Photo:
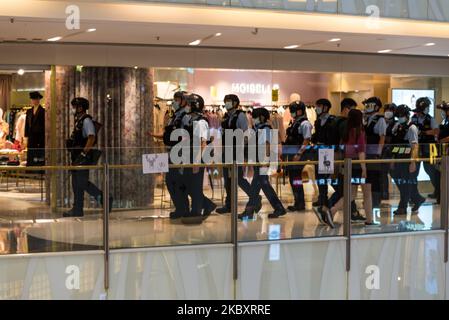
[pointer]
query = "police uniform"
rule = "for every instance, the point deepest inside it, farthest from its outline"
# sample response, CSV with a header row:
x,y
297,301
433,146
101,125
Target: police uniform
x,y
444,133
173,177
404,136
299,130
84,127
233,120
386,154
375,128
197,128
324,136
426,123
261,180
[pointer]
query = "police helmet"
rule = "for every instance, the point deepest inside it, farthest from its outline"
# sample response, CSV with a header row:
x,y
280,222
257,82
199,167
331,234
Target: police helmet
x,y
261,112
234,98
402,111
422,104
297,105
80,102
374,102
196,102
180,94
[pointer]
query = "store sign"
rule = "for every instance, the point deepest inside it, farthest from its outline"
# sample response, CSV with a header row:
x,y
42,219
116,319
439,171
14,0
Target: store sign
x,y
325,161
250,88
155,163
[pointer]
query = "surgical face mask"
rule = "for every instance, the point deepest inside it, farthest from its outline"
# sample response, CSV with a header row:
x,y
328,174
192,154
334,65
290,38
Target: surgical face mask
x,y
443,114
293,114
319,110
74,112
369,109
389,115
229,105
402,120
188,109
257,121
175,105
426,110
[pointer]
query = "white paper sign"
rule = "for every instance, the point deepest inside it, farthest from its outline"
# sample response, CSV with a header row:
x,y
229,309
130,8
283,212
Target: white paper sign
x,y
155,163
325,161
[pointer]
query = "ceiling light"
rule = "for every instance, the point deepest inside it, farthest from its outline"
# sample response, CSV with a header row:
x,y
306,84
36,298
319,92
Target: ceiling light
x,y
54,39
195,43
430,44
91,30
292,46
384,51
335,40
136,67
218,34
20,72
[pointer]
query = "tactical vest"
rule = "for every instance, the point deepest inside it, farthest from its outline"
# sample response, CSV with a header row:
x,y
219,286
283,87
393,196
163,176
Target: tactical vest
x,y
262,127
372,138
195,116
174,123
230,123
401,148
444,133
294,138
423,139
324,134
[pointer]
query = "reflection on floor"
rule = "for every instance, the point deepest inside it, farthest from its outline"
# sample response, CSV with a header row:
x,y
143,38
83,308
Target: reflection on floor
x,y
28,225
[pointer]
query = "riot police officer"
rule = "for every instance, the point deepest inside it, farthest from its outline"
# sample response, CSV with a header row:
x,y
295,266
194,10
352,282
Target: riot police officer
x,y
443,136
233,120
324,136
390,119
197,127
405,146
261,179
428,130
376,130
299,134
173,177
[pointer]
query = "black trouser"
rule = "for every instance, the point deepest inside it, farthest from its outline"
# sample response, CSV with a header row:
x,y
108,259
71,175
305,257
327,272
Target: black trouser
x,y
323,189
193,182
374,173
339,193
242,182
263,182
296,183
433,173
177,192
81,184
407,184
384,182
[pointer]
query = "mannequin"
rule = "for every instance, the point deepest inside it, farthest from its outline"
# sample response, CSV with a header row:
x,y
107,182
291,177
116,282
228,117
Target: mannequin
x,y
35,131
4,130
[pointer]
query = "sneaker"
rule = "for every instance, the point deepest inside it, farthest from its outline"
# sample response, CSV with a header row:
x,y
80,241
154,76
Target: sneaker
x,y
277,213
418,205
319,214
247,214
357,217
223,210
72,214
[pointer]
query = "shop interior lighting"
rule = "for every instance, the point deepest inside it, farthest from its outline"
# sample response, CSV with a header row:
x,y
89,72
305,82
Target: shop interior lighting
x,y
430,44
195,43
54,39
294,46
91,30
335,40
384,51
20,72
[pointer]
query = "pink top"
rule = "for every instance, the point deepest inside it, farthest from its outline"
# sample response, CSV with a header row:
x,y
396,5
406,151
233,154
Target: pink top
x,y
355,146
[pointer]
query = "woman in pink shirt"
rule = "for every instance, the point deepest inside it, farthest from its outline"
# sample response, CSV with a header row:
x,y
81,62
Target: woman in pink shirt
x,y
354,140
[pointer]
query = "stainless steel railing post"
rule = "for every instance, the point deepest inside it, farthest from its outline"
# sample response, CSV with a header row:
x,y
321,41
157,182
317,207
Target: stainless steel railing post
x,y
106,205
444,204
347,195
234,213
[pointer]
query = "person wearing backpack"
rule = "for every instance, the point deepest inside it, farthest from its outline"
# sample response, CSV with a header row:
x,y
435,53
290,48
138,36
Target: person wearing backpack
x,y
81,147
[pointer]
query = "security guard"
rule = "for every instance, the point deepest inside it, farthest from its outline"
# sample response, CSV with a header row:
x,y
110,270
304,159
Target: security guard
x,y
233,120
390,119
428,130
173,177
324,136
299,134
81,147
376,131
192,179
261,179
